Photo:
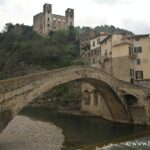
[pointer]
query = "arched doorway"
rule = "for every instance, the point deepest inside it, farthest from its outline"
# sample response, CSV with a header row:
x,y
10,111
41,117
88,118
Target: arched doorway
x,y
129,100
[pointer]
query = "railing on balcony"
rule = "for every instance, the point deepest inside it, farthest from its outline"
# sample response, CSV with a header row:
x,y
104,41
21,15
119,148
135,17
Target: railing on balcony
x,y
133,55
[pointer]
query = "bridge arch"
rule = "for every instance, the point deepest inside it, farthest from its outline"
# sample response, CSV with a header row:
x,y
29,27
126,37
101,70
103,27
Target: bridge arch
x,y
18,92
129,100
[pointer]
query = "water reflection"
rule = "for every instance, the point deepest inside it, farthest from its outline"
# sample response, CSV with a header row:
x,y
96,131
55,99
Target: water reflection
x,y
81,131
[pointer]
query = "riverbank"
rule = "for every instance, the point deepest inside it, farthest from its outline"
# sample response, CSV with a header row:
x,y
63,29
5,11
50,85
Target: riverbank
x,y
23,133
43,129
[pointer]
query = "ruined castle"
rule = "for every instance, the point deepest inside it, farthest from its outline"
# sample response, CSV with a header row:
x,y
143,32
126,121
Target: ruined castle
x,y
45,22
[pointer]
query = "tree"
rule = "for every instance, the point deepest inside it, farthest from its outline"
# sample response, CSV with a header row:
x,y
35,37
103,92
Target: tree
x,y
8,27
72,33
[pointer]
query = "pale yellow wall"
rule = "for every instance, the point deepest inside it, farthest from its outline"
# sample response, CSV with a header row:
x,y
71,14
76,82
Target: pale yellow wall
x,y
144,42
121,68
120,50
118,62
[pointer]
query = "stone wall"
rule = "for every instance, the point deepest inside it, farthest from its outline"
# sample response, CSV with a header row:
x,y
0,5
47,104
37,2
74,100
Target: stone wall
x,y
144,83
96,106
45,22
138,115
38,22
58,22
120,68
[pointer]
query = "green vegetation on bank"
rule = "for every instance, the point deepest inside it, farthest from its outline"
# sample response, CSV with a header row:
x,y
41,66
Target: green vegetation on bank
x,y
23,50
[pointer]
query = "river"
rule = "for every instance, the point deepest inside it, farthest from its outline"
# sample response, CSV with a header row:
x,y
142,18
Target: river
x,y
42,129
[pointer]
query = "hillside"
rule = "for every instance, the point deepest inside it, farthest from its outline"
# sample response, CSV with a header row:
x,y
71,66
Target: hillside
x,y
104,28
22,51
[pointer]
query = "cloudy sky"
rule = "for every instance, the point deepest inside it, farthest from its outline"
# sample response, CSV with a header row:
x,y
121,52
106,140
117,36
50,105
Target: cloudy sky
x,y
133,15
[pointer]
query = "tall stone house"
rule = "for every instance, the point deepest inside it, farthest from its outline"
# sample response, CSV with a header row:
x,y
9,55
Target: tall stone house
x,y
45,21
126,57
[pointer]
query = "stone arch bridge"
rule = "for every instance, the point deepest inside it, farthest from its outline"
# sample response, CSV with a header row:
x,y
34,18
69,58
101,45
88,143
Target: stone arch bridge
x,y
16,93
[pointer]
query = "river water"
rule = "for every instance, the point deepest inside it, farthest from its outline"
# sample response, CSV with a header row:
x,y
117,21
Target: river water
x,y
42,129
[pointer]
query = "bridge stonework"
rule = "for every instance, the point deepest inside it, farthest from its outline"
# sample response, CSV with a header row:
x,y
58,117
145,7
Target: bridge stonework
x,y
16,93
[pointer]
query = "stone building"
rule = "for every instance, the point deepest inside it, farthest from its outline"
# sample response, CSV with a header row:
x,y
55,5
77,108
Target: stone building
x,y
125,57
45,21
85,41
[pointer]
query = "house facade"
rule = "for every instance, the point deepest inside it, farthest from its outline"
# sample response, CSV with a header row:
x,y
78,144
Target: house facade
x,y
125,57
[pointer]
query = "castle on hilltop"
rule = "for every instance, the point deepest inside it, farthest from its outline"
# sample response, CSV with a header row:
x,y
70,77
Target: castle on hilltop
x,y
45,22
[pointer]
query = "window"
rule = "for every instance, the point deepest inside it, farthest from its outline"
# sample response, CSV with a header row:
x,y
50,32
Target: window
x,y
47,25
93,43
138,49
98,41
131,72
48,19
138,61
139,75
48,11
130,51
99,61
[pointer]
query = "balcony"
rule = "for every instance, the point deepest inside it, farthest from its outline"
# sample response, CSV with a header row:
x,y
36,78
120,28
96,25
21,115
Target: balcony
x,y
133,55
105,57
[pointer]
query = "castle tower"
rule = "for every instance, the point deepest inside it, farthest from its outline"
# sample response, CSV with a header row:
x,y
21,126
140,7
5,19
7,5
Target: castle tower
x,y
47,8
69,14
47,12
46,21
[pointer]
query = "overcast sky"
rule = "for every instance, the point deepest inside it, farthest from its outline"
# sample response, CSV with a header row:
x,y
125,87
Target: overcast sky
x,y
133,15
